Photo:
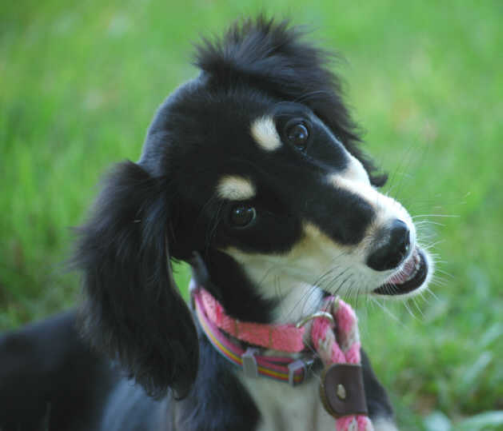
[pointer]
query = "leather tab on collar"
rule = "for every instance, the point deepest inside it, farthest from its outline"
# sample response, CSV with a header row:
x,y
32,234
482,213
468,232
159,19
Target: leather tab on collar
x,y
342,391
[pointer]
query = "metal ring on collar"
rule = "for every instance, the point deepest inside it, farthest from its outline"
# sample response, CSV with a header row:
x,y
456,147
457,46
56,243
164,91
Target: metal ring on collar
x,y
324,314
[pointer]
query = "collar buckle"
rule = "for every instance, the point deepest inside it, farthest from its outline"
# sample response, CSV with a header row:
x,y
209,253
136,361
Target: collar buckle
x,y
250,367
293,369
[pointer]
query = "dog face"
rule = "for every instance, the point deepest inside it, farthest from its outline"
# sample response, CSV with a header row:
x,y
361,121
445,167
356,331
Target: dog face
x,y
255,164
280,192
276,188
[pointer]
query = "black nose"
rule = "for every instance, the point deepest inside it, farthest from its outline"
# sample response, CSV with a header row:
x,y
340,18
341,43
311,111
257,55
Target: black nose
x,y
391,254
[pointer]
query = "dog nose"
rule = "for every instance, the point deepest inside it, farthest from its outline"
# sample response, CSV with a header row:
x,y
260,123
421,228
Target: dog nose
x,y
391,254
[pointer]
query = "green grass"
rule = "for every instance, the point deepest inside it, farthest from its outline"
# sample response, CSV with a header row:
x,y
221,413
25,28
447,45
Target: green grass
x,y
78,87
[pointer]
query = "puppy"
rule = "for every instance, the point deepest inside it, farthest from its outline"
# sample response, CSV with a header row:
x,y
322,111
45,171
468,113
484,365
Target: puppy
x,y
251,172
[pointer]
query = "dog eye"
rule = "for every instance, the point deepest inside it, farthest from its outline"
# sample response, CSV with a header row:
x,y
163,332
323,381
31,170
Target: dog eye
x,y
242,216
298,135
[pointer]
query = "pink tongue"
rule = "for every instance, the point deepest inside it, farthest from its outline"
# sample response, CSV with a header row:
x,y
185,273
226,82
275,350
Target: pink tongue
x,y
405,273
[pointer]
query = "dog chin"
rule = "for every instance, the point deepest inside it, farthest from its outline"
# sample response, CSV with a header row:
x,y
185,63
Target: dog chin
x,y
410,279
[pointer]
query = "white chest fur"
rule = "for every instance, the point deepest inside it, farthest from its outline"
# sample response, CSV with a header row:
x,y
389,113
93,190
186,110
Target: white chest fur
x,y
285,408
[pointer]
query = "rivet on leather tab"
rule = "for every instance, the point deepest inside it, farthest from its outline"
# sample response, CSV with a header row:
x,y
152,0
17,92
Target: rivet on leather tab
x,y
342,391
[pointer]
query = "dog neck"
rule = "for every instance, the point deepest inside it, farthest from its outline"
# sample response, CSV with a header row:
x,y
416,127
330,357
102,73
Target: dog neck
x,y
257,292
295,299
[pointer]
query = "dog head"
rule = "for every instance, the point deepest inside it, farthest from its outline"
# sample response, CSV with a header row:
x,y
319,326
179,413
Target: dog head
x,y
254,164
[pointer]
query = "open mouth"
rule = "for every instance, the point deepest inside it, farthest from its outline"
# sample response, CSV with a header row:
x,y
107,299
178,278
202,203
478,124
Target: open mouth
x,y
411,276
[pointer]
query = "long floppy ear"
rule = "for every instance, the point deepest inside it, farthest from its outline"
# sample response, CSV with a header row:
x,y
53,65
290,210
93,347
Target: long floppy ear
x,y
132,310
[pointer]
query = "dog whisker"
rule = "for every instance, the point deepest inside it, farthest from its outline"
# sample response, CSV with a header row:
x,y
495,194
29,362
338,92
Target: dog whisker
x,y
447,274
436,215
416,304
439,281
403,168
409,310
428,223
387,311
429,246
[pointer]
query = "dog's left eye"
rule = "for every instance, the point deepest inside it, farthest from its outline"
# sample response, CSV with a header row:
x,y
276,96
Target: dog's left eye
x,y
242,216
298,135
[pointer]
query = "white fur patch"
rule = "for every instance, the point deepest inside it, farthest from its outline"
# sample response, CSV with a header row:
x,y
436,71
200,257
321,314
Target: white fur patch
x,y
355,180
235,188
296,277
285,408
265,134
384,424
317,261
355,171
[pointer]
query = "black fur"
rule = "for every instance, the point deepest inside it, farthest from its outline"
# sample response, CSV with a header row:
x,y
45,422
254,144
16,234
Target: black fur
x,y
132,309
164,207
50,380
274,57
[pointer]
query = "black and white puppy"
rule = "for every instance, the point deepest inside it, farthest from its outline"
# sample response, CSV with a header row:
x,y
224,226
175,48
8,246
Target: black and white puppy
x,y
255,165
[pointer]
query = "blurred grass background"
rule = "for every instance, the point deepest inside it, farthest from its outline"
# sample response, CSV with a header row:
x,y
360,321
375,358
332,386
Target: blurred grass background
x,y
80,82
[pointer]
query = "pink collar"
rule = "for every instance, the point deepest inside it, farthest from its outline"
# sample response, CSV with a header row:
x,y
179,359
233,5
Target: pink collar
x,y
333,338
286,338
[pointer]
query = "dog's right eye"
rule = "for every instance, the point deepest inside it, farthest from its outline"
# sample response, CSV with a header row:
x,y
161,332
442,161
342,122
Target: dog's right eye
x,y
242,216
298,135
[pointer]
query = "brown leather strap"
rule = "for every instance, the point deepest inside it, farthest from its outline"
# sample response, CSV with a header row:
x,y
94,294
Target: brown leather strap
x,y
342,391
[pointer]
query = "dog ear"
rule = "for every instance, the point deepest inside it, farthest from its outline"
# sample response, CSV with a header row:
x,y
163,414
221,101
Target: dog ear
x,y
132,310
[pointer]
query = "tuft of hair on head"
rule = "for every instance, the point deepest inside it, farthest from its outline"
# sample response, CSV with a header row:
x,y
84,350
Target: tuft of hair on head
x,y
274,56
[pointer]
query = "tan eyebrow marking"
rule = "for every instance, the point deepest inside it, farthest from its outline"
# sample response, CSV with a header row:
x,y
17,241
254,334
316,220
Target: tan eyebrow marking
x,y
235,188
265,134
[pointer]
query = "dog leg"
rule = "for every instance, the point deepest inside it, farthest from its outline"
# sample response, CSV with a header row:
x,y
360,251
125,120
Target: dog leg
x,y
380,409
49,379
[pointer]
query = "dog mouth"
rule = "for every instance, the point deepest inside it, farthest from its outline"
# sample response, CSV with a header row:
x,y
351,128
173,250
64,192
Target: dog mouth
x,y
408,278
